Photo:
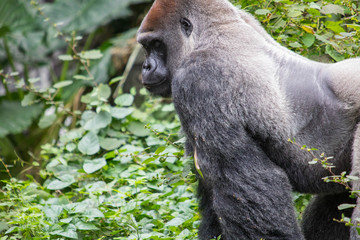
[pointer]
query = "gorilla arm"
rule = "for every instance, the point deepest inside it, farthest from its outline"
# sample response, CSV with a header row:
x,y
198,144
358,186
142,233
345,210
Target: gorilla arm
x,y
245,189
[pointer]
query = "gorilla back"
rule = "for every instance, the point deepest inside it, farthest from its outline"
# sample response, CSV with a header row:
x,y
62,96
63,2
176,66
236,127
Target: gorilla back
x,y
240,96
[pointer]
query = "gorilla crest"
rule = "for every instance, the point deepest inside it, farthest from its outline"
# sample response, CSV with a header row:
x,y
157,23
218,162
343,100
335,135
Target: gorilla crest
x,y
240,96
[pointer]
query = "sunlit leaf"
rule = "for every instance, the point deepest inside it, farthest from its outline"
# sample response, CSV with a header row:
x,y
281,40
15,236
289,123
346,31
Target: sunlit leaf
x,y
89,144
66,57
98,121
47,120
120,113
62,84
138,129
92,54
124,100
91,166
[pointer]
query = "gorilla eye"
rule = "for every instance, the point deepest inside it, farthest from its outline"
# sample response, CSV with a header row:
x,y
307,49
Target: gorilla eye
x,y
186,26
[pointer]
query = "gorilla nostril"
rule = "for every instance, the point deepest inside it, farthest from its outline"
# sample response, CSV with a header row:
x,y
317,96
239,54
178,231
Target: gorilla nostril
x,y
146,66
149,65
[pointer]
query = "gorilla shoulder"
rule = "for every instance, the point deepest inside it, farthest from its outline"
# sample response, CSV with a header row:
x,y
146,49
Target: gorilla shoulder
x,y
344,78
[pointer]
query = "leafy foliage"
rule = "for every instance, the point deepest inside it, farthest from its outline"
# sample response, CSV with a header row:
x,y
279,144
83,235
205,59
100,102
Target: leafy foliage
x,y
312,28
109,177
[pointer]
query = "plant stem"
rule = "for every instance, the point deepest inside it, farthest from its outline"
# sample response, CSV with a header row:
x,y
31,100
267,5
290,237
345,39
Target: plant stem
x,y
65,67
6,167
9,56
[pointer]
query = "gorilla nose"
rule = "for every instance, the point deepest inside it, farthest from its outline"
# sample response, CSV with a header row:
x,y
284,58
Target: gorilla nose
x,y
149,66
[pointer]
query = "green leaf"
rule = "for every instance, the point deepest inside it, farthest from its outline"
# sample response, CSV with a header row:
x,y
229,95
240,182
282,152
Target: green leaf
x,y
29,99
3,226
70,147
149,160
322,38
93,213
85,226
92,54
53,211
332,9
314,5
138,129
86,15
117,79
69,232
14,118
160,150
334,54
262,12
308,39
353,26
47,120
91,166
124,100
104,91
294,13
335,26
120,113
34,80
15,15
62,84
346,206
295,45
175,222
66,58
98,121
72,135
110,143
89,144
61,183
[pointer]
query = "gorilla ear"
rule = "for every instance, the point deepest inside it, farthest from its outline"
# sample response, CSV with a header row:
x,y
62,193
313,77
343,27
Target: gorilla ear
x,y
186,26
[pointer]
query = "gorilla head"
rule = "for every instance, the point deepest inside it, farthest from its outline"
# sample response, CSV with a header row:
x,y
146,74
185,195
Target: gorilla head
x,y
170,29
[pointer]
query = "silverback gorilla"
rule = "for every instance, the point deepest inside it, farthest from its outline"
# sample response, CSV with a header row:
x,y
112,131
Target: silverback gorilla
x,y
240,96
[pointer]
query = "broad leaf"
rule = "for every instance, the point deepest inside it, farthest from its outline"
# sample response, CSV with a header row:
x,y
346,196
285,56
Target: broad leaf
x,y
138,129
63,84
120,113
14,118
346,206
85,226
91,166
47,120
89,144
332,9
61,183
124,100
87,15
175,222
110,143
15,16
98,121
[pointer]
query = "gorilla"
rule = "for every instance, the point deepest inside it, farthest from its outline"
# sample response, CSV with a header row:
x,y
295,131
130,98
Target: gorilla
x,y
240,96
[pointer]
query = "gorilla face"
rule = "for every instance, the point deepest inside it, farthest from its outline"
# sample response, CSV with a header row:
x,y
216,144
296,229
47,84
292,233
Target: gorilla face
x,y
166,36
155,74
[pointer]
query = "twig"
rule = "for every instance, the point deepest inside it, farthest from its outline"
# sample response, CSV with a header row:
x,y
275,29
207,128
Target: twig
x,y
6,167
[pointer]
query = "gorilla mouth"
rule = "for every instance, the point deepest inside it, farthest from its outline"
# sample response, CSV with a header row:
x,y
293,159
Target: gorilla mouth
x,y
158,83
